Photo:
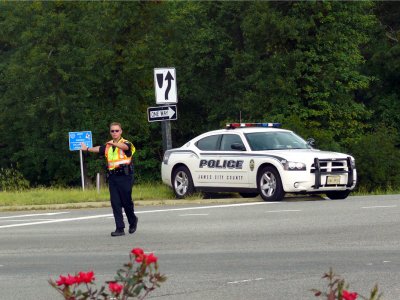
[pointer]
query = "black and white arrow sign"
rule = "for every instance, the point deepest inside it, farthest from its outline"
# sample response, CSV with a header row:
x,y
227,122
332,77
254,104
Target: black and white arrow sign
x,y
162,113
165,85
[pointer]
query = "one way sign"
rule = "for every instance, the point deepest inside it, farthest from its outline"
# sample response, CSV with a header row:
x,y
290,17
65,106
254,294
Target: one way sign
x,y
161,113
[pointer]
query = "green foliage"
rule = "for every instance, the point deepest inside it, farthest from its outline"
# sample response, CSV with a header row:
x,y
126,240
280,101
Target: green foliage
x,y
12,180
327,70
74,66
337,288
69,196
378,159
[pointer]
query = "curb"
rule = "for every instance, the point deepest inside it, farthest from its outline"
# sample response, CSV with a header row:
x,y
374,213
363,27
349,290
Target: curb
x,y
169,202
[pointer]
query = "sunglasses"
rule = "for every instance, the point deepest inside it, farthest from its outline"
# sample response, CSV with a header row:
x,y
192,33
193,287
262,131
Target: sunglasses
x,y
114,131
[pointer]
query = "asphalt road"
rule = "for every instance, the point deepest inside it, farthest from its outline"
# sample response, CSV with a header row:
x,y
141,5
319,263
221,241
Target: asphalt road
x,y
229,251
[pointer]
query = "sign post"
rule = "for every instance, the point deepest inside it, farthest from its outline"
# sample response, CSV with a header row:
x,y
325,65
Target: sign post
x,y
166,94
75,140
82,175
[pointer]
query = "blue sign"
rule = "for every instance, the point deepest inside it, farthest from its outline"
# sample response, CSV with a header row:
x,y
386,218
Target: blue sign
x,y
76,138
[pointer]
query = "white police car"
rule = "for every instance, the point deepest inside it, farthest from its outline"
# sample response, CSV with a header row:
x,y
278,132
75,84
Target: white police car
x,y
257,158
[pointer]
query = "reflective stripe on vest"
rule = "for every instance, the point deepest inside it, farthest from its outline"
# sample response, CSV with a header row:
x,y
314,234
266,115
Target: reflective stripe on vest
x,y
116,157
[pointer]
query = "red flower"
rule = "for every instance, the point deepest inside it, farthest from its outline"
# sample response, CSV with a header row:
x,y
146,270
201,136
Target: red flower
x,y
349,296
140,259
69,280
61,280
85,277
137,252
115,288
149,259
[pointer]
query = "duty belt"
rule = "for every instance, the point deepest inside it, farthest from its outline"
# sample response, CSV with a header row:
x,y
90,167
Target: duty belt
x,y
121,170
117,171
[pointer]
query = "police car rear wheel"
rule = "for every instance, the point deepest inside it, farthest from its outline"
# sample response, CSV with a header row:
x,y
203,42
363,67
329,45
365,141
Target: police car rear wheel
x,y
338,195
270,184
182,182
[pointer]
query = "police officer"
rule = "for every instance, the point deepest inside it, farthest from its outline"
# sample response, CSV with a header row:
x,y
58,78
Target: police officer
x,y
118,153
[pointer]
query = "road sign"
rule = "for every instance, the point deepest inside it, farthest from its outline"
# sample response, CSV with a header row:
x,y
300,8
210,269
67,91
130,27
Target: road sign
x,y
165,85
76,138
162,113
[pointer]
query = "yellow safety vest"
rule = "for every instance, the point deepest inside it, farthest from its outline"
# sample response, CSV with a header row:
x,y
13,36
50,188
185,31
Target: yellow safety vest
x,y
116,157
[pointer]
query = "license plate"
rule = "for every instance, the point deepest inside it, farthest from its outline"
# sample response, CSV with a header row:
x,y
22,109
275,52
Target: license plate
x,y
332,180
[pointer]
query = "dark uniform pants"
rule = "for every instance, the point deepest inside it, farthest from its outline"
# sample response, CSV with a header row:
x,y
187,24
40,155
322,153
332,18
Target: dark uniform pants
x,y
121,197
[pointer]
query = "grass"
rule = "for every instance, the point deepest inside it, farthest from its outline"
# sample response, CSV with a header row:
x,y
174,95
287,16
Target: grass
x,y
362,191
143,192
46,196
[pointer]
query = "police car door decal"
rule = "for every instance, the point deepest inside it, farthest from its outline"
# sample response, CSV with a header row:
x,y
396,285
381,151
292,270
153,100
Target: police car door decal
x,y
227,167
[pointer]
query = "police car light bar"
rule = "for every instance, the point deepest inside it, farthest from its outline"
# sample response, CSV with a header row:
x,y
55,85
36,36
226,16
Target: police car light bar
x,y
242,125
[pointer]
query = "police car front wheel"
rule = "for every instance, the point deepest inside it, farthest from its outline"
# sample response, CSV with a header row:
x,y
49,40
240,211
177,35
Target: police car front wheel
x,y
338,195
182,182
270,184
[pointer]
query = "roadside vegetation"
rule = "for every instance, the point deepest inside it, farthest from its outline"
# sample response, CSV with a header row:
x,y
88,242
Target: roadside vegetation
x,y
36,197
327,70
50,196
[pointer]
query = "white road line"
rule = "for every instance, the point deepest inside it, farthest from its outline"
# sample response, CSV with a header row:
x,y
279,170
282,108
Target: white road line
x,y
186,215
29,220
380,206
139,212
288,210
56,221
205,207
34,215
244,280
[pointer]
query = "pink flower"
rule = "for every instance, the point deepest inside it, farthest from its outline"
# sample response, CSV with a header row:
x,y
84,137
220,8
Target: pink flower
x,y
349,296
149,259
115,288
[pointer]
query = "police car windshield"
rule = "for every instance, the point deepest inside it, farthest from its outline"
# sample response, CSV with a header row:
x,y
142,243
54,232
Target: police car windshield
x,y
260,141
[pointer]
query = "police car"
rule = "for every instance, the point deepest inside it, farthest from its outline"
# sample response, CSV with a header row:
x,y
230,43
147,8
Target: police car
x,y
257,159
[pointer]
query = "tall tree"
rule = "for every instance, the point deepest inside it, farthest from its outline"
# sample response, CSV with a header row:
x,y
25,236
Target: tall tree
x,y
72,66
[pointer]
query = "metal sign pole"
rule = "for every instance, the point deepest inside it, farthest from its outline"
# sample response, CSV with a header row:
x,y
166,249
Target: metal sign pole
x,y
82,175
166,135
98,183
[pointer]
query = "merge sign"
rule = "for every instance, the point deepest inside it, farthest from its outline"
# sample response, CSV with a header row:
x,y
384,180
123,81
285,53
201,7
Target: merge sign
x,y
76,138
165,85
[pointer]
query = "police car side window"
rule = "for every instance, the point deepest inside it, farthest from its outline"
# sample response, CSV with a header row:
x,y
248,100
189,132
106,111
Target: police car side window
x,y
228,140
209,143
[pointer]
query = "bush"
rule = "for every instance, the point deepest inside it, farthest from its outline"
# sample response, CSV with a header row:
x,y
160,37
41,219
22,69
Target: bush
x,y
137,279
12,180
337,289
377,160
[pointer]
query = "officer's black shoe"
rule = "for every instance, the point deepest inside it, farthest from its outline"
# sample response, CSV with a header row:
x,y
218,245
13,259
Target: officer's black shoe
x,y
132,228
118,232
